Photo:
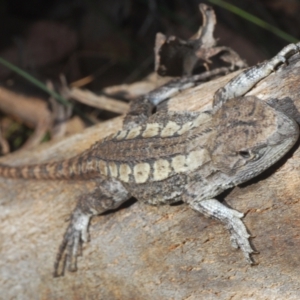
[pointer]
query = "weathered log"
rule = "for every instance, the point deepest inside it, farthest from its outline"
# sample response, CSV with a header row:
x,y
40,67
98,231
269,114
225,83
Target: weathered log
x,y
144,252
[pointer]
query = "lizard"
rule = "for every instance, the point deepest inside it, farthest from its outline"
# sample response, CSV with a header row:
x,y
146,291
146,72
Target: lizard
x,y
167,157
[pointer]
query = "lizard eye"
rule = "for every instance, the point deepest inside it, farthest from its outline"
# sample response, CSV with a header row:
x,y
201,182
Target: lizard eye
x,y
245,154
249,155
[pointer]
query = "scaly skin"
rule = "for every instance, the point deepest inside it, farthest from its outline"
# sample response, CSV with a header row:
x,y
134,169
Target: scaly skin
x,y
172,156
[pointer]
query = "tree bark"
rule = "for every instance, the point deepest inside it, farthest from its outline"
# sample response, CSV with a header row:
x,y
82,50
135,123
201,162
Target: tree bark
x,y
144,252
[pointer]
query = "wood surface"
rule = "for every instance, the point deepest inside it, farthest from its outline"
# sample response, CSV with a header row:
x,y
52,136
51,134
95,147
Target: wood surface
x,y
144,252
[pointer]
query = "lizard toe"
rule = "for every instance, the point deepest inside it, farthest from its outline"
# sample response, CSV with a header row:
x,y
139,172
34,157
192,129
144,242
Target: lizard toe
x,y
71,246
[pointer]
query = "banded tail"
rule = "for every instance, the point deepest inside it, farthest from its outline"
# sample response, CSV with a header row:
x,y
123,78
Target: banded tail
x,y
82,166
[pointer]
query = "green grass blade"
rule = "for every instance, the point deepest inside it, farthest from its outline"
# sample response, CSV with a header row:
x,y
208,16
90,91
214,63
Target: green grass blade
x,y
257,21
34,81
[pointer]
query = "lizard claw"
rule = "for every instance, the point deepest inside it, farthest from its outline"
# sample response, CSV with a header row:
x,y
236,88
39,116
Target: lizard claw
x,y
231,218
239,237
71,246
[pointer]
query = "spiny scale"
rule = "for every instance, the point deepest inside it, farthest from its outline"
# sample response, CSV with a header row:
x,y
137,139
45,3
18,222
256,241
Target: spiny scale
x,y
149,158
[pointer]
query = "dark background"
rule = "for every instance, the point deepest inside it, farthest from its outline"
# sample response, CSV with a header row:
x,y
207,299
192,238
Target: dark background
x,y
111,42
114,39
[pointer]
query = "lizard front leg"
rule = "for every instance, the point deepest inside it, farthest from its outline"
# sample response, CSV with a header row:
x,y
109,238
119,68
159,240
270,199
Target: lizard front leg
x,y
245,81
109,195
231,218
248,137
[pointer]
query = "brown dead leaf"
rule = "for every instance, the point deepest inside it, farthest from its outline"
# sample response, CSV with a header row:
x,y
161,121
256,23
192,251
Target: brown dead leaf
x,y
177,57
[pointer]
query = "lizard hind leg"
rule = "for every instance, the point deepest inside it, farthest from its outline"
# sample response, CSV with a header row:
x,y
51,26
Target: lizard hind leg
x,y
239,236
109,195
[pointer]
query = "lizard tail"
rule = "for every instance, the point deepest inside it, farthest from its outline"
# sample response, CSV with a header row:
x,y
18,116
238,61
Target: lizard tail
x,y
81,166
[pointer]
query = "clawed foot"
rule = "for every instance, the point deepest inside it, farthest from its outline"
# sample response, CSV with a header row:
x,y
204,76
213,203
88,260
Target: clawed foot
x,y
239,236
71,246
231,218
283,55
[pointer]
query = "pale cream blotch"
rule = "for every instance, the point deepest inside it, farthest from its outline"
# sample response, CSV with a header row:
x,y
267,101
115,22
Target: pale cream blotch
x,y
50,168
196,159
102,166
201,119
179,163
115,135
36,171
151,130
83,167
11,172
94,164
124,172
161,169
141,172
170,129
134,132
113,169
24,171
185,127
122,134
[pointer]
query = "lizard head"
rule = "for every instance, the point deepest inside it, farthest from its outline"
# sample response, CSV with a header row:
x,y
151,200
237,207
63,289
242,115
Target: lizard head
x,y
250,136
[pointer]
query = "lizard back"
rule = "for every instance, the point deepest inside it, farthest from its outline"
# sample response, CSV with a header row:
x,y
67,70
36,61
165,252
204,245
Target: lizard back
x,y
149,152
